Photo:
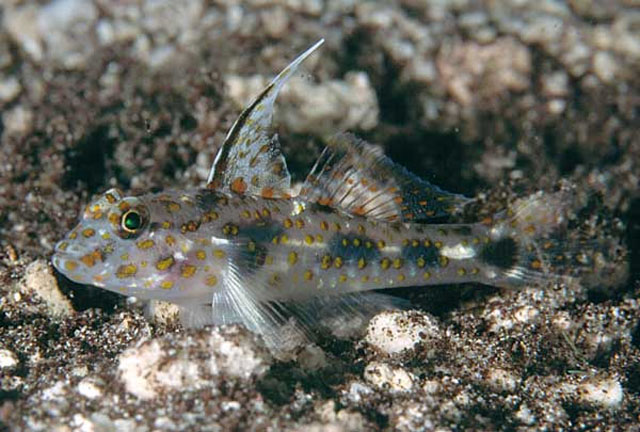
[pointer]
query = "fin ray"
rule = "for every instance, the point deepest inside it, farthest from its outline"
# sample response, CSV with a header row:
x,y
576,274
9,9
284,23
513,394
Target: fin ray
x,y
250,160
355,177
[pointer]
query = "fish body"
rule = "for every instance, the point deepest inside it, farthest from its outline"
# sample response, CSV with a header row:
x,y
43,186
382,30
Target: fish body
x,y
360,222
297,248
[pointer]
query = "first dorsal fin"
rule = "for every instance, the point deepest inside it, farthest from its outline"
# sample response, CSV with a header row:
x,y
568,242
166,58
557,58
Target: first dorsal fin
x,y
250,161
355,177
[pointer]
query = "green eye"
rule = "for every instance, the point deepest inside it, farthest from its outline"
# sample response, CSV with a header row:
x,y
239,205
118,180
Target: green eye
x,y
131,221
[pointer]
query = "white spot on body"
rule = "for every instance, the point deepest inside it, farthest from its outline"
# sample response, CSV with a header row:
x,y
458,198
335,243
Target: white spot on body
x,y
458,251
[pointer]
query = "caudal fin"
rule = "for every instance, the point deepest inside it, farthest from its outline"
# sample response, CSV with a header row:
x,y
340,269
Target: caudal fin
x,y
537,242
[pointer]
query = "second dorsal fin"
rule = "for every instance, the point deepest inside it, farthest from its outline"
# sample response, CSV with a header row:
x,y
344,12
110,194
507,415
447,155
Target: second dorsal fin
x,y
355,177
250,161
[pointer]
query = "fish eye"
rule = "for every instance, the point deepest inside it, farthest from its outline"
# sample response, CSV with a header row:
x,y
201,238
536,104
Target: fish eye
x,y
131,221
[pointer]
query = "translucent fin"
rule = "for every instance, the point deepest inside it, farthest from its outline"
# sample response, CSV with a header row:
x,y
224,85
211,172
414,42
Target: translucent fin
x,y
531,243
250,161
355,177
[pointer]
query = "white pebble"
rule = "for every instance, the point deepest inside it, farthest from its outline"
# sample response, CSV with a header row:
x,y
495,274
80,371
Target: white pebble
x,y
89,388
607,393
7,359
385,376
395,332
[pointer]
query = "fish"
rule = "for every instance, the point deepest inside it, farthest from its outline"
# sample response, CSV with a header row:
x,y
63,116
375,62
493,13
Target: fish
x,y
246,249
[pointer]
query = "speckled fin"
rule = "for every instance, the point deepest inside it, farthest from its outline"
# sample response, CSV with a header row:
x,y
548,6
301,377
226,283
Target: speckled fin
x,y
357,178
250,161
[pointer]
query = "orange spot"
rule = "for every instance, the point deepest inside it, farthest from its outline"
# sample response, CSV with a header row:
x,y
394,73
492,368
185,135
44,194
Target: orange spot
x,y
325,201
267,192
360,211
398,199
239,186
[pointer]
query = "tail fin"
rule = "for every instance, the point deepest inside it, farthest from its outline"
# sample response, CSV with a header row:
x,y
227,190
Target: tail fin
x,y
536,242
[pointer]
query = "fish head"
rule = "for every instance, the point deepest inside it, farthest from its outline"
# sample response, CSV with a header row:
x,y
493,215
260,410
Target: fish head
x,y
135,246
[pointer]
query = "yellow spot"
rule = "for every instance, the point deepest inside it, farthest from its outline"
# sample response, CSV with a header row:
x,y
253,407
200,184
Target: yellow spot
x,y
400,277
165,263
345,242
187,270
219,253
110,198
106,236
536,264
461,272
200,254
287,223
166,225
170,240
126,271
319,238
475,240
172,206
362,263
421,262
275,240
385,263
365,278
266,213
166,285
63,246
143,264
361,229
268,260
88,232
357,242
293,258
211,281
325,263
337,262
299,223
308,275
209,216
415,243
124,256
73,235
308,239
438,244
246,214
397,263
337,226
230,229
146,244
90,259
427,243
405,242
251,246
275,279
324,226
70,265
381,244
368,244
426,275
475,270
342,278
284,239
444,261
